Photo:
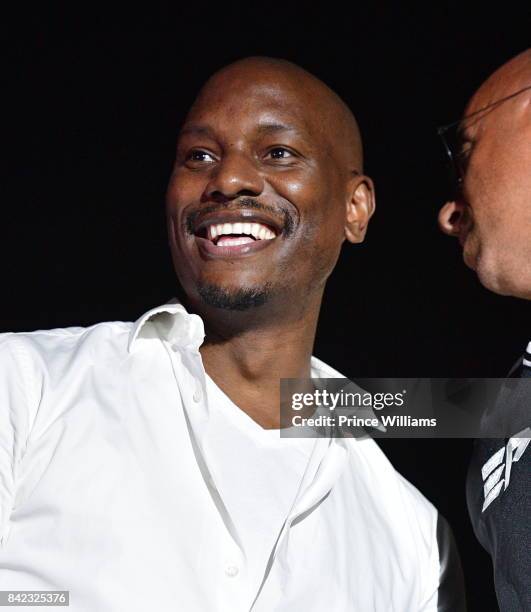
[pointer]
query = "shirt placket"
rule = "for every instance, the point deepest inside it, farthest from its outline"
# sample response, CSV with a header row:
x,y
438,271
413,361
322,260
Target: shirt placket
x,y
326,464
233,588
324,468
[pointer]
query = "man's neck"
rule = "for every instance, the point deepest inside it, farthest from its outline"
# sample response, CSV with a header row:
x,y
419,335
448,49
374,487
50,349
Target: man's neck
x,y
248,365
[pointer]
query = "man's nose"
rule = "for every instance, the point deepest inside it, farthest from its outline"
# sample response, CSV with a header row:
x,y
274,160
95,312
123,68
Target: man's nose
x,y
451,218
235,175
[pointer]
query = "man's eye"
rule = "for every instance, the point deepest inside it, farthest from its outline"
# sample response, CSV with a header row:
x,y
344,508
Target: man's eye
x,y
280,153
199,156
463,155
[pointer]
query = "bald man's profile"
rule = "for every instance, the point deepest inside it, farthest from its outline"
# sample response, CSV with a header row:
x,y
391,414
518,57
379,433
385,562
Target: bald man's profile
x,y
141,463
491,217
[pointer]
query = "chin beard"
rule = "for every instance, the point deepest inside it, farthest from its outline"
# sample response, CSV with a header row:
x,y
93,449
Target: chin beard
x,y
234,299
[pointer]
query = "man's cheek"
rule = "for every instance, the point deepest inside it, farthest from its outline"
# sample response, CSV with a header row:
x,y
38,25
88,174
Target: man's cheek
x,y
471,248
180,239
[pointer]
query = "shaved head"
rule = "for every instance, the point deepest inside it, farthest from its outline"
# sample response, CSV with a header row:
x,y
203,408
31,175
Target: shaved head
x,y
492,214
327,112
509,78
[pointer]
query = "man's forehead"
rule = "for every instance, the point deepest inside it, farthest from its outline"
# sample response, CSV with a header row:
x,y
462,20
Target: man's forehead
x,y
492,110
237,91
266,95
259,124
485,98
513,76
258,107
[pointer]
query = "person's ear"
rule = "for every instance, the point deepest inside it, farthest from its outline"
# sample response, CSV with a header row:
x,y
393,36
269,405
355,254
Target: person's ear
x,y
451,218
360,207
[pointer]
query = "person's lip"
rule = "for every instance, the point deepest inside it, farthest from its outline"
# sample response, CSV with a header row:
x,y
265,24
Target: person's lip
x,y
209,250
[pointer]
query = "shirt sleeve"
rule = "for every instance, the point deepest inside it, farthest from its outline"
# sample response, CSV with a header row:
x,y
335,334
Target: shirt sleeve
x,y
447,593
16,388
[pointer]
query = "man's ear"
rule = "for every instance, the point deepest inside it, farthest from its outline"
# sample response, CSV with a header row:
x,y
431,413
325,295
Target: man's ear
x,y
360,207
451,217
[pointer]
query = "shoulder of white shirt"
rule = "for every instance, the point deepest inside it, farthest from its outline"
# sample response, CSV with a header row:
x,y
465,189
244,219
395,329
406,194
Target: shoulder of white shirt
x,y
39,348
171,320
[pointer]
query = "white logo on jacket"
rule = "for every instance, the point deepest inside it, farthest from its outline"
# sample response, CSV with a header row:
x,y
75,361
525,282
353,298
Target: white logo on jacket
x,y
500,465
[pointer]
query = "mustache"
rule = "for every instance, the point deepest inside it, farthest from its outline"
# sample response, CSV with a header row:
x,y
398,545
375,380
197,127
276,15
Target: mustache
x,y
244,203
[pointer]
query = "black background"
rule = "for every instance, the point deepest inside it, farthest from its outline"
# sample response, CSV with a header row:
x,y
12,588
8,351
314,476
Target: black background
x,y
97,100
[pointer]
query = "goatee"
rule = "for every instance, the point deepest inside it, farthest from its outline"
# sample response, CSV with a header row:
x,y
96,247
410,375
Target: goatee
x,y
242,298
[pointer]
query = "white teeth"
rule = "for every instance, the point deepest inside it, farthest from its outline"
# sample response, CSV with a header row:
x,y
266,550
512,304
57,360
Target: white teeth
x,y
257,230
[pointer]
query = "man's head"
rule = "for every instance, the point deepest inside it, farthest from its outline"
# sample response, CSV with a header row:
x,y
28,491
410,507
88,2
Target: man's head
x,y
266,186
491,216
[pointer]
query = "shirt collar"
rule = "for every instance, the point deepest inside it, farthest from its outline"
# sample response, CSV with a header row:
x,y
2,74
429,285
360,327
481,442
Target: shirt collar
x,y
173,323
170,322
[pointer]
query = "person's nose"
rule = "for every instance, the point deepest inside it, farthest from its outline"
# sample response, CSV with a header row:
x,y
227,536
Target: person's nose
x,y
235,175
452,218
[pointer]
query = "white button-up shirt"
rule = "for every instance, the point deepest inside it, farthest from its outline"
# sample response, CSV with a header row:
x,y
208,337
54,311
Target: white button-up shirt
x,y
115,484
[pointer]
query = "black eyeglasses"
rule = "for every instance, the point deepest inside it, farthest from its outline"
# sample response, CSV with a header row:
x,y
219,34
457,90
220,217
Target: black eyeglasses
x,y
453,142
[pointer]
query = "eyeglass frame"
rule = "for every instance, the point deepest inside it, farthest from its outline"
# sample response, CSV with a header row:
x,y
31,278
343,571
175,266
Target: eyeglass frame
x,y
457,170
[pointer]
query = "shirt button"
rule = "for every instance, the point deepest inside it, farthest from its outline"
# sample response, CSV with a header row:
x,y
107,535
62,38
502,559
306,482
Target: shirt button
x,y
232,571
196,396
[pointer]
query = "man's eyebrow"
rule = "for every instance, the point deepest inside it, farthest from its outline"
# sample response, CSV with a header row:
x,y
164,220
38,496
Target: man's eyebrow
x,y
262,129
197,130
271,128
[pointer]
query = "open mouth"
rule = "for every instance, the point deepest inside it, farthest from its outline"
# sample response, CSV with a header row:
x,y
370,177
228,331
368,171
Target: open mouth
x,y
236,234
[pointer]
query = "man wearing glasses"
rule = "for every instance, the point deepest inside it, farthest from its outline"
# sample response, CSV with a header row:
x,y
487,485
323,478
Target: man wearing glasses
x,y
490,149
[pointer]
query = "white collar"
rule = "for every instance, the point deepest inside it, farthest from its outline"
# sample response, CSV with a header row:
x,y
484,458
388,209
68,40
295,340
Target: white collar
x,y
171,322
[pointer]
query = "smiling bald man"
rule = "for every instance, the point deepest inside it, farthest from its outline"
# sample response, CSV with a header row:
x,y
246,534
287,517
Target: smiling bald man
x,y
491,217
141,463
